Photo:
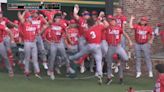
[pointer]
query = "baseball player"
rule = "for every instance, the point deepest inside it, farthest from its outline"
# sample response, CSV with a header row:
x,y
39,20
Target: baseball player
x,y
114,36
121,21
4,21
93,35
15,32
3,51
55,32
72,35
143,41
159,87
82,22
29,33
39,21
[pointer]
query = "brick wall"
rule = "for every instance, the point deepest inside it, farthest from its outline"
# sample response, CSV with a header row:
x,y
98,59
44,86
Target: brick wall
x,y
154,9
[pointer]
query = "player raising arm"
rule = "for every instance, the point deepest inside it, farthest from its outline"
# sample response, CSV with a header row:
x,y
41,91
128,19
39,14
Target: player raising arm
x,y
29,33
93,47
143,41
3,52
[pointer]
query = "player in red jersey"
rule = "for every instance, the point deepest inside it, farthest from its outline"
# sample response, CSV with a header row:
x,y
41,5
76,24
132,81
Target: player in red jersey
x,y
17,48
143,41
72,36
114,36
121,21
4,21
16,32
82,22
3,52
29,33
93,35
55,32
159,85
39,21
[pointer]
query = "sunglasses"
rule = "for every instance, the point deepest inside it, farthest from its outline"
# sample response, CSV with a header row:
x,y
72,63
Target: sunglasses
x,y
85,14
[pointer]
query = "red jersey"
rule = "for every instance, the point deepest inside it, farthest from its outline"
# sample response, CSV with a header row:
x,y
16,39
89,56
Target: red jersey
x,y
47,34
103,35
55,33
64,23
29,32
73,34
39,22
4,21
94,34
159,86
82,25
113,35
142,33
15,32
120,20
2,30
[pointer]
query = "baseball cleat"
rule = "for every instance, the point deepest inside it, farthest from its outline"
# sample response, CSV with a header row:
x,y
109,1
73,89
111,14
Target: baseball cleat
x,y
57,70
38,76
151,74
71,70
52,76
45,66
109,81
99,80
82,69
11,74
138,75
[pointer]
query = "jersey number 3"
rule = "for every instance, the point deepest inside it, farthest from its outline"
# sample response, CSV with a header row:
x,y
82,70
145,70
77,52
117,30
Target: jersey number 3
x,y
93,34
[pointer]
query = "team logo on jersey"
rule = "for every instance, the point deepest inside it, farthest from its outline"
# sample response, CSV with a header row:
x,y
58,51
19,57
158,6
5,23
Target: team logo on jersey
x,y
116,32
56,28
73,34
31,28
142,32
118,21
36,22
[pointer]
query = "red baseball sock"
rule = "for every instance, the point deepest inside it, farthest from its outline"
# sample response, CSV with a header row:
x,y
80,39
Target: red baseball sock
x,y
10,56
82,59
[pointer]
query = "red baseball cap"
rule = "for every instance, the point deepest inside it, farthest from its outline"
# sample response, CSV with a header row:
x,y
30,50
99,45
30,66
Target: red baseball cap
x,y
110,17
72,21
16,22
115,56
144,18
27,15
158,24
94,13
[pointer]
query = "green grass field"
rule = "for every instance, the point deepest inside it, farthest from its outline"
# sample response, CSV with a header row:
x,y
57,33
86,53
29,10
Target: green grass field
x,y
63,84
